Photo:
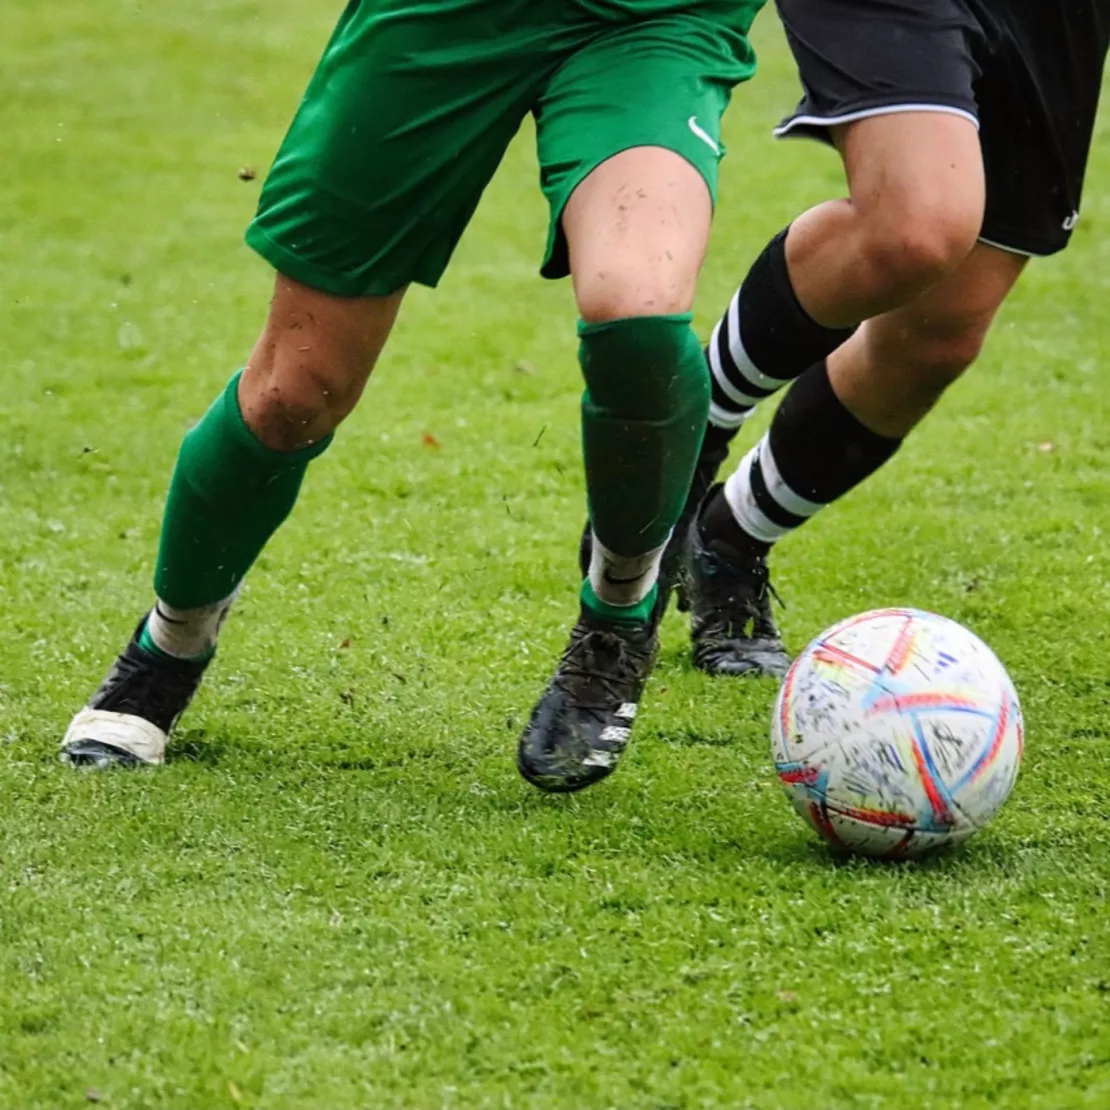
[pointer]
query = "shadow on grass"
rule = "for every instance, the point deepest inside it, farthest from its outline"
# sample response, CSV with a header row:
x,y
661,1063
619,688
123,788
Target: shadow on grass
x,y
199,746
708,828
951,863
696,738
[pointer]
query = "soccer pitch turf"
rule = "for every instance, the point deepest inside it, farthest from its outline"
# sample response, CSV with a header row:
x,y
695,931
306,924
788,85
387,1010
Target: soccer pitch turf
x,y
339,895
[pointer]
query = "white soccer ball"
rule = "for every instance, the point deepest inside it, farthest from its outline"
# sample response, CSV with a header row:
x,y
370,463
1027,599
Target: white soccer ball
x,y
897,732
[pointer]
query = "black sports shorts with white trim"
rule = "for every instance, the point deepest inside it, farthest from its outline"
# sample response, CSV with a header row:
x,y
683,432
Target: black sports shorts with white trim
x,y
1029,71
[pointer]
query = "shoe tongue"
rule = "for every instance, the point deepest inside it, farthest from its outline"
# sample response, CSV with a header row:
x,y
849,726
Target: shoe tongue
x,y
749,560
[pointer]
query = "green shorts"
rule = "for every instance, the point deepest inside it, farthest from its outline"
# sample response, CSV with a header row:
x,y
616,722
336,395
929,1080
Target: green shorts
x,y
414,102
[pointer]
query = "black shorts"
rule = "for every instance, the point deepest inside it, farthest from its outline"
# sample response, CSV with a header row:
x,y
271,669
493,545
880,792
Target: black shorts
x,y
1028,71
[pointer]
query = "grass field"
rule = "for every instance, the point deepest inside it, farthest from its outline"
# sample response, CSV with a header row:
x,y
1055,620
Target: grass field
x,y
338,895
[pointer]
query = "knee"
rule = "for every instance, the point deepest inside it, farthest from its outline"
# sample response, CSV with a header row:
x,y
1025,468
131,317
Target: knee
x,y
911,247
311,363
291,399
614,295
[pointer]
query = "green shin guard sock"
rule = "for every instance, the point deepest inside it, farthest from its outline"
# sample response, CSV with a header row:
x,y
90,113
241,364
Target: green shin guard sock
x,y
644,414
640,613
228,495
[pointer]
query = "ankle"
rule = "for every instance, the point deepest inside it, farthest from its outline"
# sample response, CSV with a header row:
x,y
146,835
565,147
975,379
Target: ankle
x,y
717,442
721,534
183,635
640,613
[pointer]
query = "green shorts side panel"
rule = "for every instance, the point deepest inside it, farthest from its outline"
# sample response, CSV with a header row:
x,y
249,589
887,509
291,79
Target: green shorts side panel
x,y
403,124
664,82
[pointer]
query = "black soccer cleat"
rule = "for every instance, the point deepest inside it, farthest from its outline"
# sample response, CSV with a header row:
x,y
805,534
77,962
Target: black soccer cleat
x,y
732,627
128,720
581,725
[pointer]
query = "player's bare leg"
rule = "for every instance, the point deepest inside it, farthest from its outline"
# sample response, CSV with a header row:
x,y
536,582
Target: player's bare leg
x,y
402,127
311,363
236,480
637,229
915,206
914,210
897,366
837,425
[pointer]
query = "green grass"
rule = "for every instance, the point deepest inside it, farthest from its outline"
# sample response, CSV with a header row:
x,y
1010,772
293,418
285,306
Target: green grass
x,y
338,894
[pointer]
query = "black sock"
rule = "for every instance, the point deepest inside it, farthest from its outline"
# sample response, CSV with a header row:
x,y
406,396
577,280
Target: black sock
x,y
717,441
764,341
815,452
721,534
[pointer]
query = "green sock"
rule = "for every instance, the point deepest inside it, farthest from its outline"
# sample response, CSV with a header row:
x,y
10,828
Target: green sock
x,y
643,418
228,495
640,613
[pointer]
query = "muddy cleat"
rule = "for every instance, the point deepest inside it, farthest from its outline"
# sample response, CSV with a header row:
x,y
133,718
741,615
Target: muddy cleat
x,y
731,625
129,719
580,727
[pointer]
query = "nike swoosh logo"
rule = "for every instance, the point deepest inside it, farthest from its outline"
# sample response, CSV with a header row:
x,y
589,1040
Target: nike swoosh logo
x,y
621,581
704,135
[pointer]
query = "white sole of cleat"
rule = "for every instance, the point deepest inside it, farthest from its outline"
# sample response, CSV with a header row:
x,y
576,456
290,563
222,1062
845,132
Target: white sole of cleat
x,y
145,742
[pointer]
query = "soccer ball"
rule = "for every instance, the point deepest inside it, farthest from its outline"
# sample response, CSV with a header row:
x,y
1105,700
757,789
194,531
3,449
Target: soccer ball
x,y
896,733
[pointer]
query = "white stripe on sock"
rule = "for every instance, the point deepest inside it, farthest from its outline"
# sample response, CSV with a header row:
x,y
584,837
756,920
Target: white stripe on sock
x,y
750,517
730,391
723,418
777,487
740,355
